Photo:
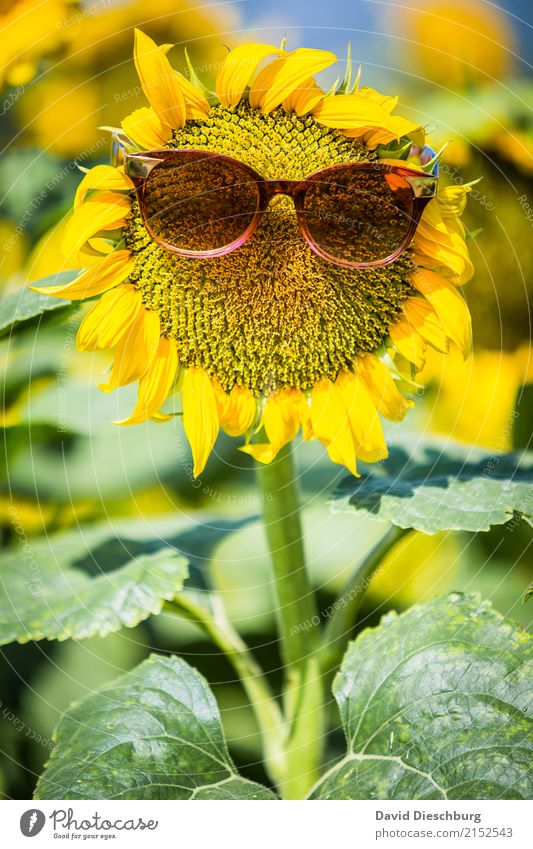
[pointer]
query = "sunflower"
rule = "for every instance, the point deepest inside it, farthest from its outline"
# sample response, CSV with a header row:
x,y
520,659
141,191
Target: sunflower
x,y
270,338
456,44
29,32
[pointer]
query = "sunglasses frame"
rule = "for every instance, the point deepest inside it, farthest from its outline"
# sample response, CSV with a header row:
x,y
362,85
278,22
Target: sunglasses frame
x,y
139,165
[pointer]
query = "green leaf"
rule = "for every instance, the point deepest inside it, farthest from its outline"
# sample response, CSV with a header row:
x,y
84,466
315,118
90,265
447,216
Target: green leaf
x,y
435,704
41,599
441,487
79,668
20,308
97,578
153,734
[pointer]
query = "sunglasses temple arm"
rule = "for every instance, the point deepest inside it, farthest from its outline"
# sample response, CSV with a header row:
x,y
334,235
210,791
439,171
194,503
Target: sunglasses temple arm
x,y
119,154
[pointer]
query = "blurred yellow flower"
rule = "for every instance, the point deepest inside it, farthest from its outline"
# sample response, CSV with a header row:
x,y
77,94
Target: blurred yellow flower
x,y
25,516
456,43
30,30
500,293
93,81
61,114
14,247
419,566
468,48
494,120
516,146
474,400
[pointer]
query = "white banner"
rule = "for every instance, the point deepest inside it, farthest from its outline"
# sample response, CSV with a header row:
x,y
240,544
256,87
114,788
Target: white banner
x,y
264,825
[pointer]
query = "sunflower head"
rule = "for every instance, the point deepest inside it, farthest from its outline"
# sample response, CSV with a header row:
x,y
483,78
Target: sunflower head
x,y
270,338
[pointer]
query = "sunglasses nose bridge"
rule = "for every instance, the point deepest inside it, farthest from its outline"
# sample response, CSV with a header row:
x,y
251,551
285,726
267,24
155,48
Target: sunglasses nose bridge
x,y
282,187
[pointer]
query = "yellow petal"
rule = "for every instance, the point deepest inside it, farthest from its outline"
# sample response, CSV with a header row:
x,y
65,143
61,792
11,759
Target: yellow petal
x,y
408,342
104,275
237,69
370,138
386,101
155,384
101,245
423,318
364,421
445,262
200,416
305,98
351,111
433,217
92,252
196,105
397,127
260,451
238,412
452,199
159,81
162,418
107,322
145,129
404,127
330,424
379,382
304,409
136,350
105,178
412,164
105,211
449,305
439,242
285,75
261,85
284,411
281,418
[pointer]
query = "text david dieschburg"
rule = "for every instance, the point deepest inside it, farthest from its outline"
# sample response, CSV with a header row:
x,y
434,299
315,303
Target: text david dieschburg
x,y
426,815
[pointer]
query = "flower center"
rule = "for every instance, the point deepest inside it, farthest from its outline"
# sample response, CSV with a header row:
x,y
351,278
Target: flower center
x,y
271,313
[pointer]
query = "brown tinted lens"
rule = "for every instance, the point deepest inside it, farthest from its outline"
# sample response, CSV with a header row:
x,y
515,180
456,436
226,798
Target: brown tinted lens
x,y
358,215
199,203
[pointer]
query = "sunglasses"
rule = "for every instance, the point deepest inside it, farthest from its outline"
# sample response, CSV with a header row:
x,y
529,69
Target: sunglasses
x,y
200,204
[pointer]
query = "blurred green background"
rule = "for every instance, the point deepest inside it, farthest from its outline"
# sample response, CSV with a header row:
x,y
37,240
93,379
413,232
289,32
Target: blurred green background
x,y
463,69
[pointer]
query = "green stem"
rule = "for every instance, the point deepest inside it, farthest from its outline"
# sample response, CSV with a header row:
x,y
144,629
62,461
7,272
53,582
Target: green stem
x,y
266,709
341,622
297,612
298,626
